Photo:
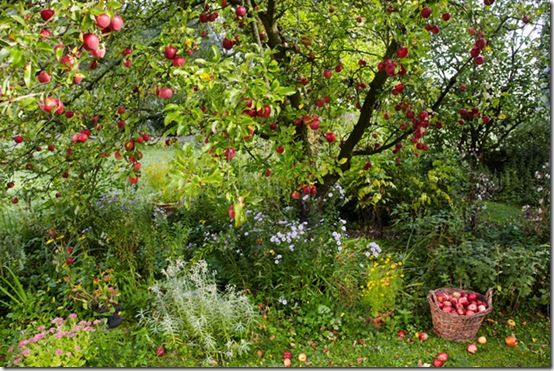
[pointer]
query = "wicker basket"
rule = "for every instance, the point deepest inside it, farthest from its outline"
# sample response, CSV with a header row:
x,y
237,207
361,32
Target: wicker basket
x,y
451,326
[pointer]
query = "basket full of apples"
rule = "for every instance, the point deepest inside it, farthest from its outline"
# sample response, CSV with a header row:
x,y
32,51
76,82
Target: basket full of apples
x,y
457,314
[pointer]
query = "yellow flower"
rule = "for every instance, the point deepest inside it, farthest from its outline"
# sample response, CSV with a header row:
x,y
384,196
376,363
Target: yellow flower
x,y
49,241
393,266
511,323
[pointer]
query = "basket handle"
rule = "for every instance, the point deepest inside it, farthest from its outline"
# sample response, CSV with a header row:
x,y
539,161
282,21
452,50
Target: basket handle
x,y
432,292
488,295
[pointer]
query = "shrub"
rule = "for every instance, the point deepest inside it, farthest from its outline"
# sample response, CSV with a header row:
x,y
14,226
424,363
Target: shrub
x,y
187,307
65,344
275,255
384,281
518,274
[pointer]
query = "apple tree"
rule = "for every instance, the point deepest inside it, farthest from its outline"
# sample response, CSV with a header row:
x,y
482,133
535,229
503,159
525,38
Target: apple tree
x,y
304,90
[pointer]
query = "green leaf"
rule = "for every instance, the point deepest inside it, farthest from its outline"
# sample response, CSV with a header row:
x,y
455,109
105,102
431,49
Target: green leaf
x,y
27,74
19,19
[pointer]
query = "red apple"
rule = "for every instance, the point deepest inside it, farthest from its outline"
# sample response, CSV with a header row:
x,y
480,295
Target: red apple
x,y
481,43
46,14
280,149
18,139
479,60
98,53
90,41
240,11
178,61
67,60
228,43
117,23
327,73
45,33
437,362
264,112
426,12
229,153
102,20
511,341
471,348
78,78
48,104
443,356
330,137
423,336
295,195
165,93
160,351
170,52
446,16
402,52
43,77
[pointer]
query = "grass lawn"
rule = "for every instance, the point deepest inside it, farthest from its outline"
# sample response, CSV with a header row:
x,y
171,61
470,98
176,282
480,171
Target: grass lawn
x,y
383,348
501,213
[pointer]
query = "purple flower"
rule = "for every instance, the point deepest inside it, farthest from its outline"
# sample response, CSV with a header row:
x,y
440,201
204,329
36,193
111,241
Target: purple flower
x,y
41,328
59,352
58,321
22,343
38,337
26,352
73,315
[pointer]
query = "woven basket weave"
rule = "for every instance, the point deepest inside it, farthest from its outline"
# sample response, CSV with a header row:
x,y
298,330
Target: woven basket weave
x,y
451,326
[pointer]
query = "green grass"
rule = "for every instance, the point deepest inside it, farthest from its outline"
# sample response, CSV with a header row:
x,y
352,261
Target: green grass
x,y
385,349
501,213
155,165
157,154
